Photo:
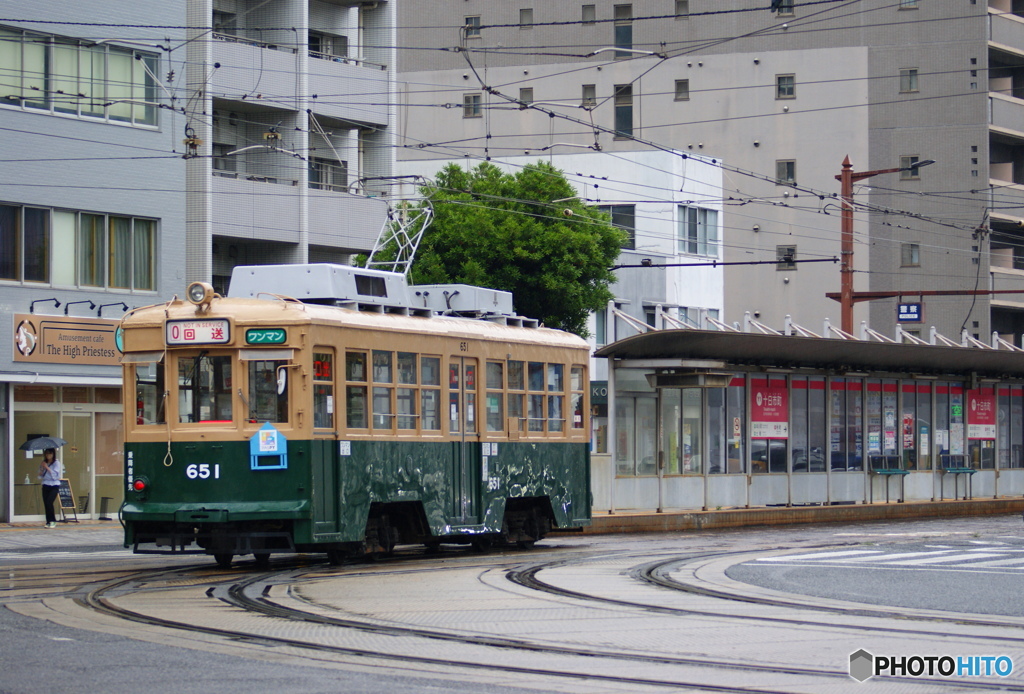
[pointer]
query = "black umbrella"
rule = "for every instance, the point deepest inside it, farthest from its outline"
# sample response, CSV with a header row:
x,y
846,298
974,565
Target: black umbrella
x,y
41,443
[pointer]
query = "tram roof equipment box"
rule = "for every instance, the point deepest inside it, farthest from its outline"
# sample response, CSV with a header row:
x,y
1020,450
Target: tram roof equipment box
x,y
361,288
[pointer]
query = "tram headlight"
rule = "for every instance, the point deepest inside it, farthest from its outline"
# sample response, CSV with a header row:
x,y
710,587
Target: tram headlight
x,y
199,293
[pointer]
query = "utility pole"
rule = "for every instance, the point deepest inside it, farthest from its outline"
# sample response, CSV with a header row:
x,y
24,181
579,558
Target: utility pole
x,y
847,177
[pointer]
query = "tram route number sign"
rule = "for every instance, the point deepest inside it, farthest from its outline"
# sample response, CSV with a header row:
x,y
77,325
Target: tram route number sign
x,y
198,332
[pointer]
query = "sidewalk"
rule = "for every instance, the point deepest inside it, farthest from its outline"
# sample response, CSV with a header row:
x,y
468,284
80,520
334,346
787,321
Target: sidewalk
x,y
85,533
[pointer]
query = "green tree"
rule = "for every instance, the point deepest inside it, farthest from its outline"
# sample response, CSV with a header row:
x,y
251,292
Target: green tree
x,y
504,231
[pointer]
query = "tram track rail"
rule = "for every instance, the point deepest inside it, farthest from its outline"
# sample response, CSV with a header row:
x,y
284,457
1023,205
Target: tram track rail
x,y
252,595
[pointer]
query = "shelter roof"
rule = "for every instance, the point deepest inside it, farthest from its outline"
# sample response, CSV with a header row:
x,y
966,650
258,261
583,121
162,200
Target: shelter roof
x,y
782,351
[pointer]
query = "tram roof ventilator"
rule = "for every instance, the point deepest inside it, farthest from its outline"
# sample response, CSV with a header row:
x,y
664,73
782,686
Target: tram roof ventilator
x,y
376,291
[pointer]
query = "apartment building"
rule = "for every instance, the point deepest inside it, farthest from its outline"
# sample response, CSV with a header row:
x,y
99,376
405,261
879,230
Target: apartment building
x,y
779,99
152,144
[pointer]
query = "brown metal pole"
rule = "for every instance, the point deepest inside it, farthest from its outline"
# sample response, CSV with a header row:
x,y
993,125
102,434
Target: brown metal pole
x,y
846,248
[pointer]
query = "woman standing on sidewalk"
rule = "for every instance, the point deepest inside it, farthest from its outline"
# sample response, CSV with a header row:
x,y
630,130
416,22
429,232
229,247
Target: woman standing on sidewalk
x,y
49,474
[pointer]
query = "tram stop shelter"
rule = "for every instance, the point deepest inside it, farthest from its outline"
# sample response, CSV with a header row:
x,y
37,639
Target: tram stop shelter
x,y
708,419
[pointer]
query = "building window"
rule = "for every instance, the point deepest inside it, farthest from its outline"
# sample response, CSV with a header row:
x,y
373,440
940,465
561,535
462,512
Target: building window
x,y
682,9
682,90
624,219
785,172
623,30
223,165
908,79
327,46
328,174
785,257
472,27
526,18
42,245
698,231
908,4
623,110
525,97
910,255
589,100
589,15
906,172
785,86
786,6
80,79
471,106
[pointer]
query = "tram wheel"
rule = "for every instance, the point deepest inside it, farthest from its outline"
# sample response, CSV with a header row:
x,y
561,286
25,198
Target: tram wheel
x,y
336,557
481,545
262,559
223,560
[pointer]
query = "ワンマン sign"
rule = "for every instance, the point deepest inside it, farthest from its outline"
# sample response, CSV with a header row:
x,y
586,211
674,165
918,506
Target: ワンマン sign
x,y
65,340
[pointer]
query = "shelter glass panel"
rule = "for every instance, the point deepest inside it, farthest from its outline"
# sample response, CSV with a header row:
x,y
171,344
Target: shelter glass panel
x,y
736,424
625,459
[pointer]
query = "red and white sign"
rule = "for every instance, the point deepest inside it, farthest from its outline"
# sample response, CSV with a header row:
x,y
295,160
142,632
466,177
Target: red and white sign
x,y
981,413
198,332
769,409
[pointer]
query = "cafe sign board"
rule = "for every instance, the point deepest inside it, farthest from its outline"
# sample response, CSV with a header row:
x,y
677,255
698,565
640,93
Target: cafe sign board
x,y
65,340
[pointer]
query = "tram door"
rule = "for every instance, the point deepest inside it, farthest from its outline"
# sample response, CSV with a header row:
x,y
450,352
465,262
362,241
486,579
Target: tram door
x,y
462,423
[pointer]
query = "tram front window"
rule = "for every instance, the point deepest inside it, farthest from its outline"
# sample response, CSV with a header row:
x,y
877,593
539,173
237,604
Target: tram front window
x,y
204,388
149,393
268,391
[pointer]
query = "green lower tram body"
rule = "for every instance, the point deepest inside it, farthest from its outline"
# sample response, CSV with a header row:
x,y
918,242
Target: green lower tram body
x,y
343,497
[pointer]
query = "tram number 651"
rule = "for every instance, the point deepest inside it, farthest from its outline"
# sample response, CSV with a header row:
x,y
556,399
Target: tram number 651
x,y
202,471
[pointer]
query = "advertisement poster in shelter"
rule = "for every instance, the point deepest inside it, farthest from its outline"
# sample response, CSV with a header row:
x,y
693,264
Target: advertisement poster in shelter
x,y
769,409
981,413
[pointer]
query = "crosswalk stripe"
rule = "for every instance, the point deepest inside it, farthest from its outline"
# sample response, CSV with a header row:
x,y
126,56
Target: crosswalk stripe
x,y
823,555
888,557
1006,563
947,557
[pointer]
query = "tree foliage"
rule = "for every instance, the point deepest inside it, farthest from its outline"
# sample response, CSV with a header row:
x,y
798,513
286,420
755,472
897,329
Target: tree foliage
x,y
504,231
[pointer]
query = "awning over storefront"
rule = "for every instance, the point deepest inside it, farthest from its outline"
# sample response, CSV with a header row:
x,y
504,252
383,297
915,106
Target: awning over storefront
x,y
791,352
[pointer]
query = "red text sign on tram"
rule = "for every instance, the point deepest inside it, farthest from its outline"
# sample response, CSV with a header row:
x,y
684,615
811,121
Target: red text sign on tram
x,y
198,332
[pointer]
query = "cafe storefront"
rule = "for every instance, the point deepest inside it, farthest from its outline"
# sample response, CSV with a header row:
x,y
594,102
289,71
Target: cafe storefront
x,y
715,419
65,381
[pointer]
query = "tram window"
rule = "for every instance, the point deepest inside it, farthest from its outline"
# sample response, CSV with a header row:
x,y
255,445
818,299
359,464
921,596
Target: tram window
x,y
355,366
204,388
536,375
406,408
495,384
535,412
355,407
556,422
576,384
150,406
382,408
268,400
430,398
555,378
430,371
515,400
323,389
495,375
382,367
431,406
406,367
515,375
